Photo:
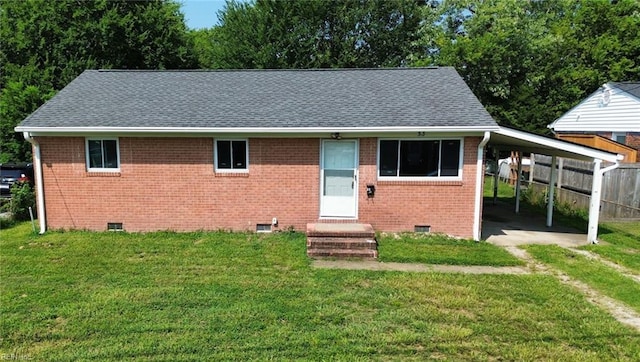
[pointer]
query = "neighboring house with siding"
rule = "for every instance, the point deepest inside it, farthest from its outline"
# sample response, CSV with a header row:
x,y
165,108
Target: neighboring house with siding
x,y
399,149
612,112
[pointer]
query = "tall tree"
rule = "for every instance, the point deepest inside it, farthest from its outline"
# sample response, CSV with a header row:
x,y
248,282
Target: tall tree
x,y
315,34
45,44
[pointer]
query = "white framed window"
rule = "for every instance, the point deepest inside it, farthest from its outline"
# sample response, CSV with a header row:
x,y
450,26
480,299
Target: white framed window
x,y
103,154
620,137
420,159
231,155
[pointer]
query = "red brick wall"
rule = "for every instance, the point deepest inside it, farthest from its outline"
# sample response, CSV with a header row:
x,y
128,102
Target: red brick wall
x,y
633,140
170,184
447,206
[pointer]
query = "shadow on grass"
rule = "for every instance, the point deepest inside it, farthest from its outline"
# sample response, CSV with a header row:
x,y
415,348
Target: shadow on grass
x,y
607,228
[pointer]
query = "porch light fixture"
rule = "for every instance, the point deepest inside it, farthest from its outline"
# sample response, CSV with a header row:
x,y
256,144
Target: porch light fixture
x,y
336,136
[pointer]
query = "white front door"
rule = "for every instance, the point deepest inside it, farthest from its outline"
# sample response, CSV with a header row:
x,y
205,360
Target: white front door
x,y
339,178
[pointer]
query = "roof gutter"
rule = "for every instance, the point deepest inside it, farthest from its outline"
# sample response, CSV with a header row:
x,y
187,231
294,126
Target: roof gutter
x,y
478,201
37,169
264,130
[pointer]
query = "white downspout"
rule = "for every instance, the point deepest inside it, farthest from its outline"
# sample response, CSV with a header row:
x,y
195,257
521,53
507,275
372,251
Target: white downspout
x,y
37,169
479,173
594,204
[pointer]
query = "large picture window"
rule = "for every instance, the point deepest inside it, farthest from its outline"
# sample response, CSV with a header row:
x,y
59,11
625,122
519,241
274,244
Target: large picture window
x,y
231,156
102,154
419,158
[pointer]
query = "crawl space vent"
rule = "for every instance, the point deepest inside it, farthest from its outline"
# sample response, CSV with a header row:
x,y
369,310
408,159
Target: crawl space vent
x,y
263,228
114,226
422,228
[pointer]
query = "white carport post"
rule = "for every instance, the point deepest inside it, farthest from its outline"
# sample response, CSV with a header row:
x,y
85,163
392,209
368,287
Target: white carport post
x,y
532,164
552,187
594,204
518,182
496,180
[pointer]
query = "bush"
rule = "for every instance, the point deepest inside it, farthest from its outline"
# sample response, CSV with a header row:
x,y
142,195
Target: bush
x,y
4,204
535,198
22,197
573,216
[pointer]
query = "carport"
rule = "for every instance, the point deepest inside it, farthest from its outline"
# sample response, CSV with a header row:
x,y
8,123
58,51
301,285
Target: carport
x,y
502,227
508,139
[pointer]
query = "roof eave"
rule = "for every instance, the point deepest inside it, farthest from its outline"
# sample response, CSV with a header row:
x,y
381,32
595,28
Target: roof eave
x,y
602,128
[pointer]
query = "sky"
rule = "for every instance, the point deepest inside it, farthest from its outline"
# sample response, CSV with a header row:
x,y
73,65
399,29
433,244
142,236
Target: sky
x,y
201,13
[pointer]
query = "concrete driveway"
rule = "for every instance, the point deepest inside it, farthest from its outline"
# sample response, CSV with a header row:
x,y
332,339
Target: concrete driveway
x,y
502,226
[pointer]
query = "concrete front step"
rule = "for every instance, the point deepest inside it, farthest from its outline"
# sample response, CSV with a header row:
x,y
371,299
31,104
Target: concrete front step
x,y
341,240
343,253
315,242
341,230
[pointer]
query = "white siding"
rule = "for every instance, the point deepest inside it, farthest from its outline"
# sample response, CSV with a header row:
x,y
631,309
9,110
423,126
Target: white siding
x,y
620,114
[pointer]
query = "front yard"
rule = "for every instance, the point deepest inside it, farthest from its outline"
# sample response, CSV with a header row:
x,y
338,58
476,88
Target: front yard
x,y
221,296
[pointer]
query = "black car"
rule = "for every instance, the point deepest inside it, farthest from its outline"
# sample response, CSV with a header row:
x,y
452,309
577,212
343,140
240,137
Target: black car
x,y
11,173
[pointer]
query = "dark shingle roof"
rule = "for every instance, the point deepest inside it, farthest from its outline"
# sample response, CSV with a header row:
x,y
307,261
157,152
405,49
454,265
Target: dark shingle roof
x,y
632,88
345,98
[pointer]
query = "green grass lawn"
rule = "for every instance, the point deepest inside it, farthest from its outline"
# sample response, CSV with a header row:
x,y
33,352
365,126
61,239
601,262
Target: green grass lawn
x,y
630,228
599,276
505,191
219,296
440,249
621,244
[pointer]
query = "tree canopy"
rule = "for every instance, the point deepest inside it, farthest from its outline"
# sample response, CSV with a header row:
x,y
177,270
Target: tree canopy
x,y
313,34
46,44
530,61
527,61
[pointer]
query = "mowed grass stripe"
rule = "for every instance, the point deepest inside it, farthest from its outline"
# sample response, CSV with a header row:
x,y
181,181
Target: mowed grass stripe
x,y
441,249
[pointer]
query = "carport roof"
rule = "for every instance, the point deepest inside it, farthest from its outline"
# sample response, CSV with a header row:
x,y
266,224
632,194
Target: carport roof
x,y
515,140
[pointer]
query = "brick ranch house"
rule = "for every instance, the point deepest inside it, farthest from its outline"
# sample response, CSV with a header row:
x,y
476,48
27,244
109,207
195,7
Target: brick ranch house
x,y
400,149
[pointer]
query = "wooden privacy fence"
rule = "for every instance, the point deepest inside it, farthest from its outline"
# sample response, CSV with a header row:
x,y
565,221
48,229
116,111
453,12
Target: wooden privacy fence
x,y
620,187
